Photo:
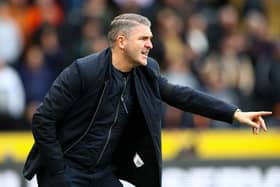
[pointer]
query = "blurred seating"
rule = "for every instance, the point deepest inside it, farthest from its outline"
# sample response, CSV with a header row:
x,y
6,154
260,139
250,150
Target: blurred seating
x,y
226,48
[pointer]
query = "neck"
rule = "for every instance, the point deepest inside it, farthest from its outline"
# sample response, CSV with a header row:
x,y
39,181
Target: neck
x,y
120,62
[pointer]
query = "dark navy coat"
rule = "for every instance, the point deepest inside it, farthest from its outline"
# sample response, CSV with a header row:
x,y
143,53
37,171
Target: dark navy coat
x,y
73,103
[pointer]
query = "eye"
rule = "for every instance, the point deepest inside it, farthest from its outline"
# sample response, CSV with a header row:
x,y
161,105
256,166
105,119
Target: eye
x,y
145,38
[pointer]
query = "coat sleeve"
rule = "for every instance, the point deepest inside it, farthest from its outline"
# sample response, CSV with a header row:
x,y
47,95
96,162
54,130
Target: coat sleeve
x,y
61,95
190,100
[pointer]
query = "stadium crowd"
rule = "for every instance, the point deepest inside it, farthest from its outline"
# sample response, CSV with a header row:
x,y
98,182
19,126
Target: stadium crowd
x,y
227,49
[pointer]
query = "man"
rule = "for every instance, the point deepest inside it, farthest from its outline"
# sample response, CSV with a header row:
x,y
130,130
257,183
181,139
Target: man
x,y
101,119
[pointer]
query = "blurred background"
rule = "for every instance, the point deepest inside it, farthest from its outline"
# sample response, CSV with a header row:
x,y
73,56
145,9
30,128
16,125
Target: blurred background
x,y
227,48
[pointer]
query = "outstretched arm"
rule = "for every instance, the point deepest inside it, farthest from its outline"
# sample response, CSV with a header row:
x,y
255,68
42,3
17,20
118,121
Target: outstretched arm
x,y
191,100
252,119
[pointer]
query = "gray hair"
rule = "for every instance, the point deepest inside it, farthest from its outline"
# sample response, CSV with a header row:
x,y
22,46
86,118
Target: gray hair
x,y
123,24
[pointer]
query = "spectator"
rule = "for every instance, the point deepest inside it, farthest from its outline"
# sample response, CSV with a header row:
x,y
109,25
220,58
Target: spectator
x,y
53,52
226,23
12,97
235,69
18,11
37,77
229,75
10,35
195,34
260,49
172,39
179,73
100,9
43,11
72,9
91,31
259,41
268,77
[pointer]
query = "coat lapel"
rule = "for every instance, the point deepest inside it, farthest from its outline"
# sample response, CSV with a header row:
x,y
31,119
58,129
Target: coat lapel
x,y
150,104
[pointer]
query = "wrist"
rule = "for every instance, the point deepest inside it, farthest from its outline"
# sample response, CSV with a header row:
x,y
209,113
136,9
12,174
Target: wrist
x,y
236,114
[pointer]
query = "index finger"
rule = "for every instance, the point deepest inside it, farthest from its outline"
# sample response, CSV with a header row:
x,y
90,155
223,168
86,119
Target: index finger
x,y
264,113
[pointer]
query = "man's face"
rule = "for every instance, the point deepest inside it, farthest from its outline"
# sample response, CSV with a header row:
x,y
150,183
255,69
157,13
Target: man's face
x,y
138,44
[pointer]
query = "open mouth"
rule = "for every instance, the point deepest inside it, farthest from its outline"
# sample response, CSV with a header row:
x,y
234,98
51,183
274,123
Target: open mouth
x,y
145,53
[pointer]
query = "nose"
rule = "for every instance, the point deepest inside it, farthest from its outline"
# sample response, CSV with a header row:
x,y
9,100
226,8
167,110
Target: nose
x,y
149,44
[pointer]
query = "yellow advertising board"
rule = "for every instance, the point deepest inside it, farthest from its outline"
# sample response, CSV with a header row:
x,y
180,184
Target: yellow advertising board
x,y
182,144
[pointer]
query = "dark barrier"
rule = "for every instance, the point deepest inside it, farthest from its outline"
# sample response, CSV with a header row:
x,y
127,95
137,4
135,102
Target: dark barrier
x,y
190,173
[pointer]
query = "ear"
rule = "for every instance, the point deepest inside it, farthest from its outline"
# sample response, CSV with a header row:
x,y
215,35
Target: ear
x,y
121,41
